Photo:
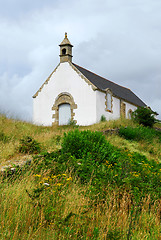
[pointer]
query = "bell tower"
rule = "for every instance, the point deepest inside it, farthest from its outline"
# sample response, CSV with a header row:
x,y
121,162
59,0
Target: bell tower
x,y
65,50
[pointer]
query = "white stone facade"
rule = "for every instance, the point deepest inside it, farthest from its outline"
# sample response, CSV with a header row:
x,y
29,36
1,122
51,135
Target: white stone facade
x,y
65,79
90,102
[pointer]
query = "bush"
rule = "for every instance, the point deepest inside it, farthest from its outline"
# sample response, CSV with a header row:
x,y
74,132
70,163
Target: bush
x,y
144,116
28,145
103,118
139,133
91,159
81,144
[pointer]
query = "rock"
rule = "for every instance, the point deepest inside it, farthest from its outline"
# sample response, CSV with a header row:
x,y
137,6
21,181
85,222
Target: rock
x,y
11,169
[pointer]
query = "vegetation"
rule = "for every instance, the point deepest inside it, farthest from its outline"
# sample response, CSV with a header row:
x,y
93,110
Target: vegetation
x,y
29,145
81,184
144,116
103,118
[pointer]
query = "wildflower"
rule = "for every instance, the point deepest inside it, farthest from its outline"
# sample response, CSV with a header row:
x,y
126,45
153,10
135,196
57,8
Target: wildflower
x,y
79,163
53,176
46,184
59,184
68,179
37,175
45,178
63,174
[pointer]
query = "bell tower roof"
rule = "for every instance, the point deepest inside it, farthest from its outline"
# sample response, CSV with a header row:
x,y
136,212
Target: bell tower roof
x,y
65,50
65,41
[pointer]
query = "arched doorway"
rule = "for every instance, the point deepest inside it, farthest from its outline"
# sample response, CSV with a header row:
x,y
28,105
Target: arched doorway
x,y
64,114
64,109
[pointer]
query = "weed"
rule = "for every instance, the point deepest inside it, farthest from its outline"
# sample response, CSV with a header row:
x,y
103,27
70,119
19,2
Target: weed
x,y
114,234
3,137
28,145
72,123
103,118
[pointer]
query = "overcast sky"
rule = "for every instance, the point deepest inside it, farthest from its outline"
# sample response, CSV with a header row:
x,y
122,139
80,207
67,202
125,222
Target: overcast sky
x,y
117,39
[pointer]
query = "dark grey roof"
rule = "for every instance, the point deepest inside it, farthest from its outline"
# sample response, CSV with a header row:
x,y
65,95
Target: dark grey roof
x,y
119,91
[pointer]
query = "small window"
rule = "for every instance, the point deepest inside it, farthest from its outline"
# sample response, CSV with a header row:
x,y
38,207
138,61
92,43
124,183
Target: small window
x,y
108,101
129,114
63,51
123,110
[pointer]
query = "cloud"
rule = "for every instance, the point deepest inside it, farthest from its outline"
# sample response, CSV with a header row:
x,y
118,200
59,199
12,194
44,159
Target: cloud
x,y
119,39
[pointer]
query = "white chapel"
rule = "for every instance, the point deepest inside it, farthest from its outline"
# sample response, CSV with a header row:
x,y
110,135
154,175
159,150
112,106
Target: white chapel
x,y
73,93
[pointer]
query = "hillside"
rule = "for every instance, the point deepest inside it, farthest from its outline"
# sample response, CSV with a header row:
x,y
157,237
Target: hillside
x,y
86,184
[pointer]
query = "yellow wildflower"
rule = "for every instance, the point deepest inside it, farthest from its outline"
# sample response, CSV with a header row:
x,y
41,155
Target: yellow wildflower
x,y
45,178
53,176
59,184
68,179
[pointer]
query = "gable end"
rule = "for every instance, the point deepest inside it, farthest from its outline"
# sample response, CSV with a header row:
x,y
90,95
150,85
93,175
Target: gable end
x,y
46,82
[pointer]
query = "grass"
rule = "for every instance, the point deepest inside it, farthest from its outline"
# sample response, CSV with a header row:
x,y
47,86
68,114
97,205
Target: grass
x,y
77,216
68,208
49,137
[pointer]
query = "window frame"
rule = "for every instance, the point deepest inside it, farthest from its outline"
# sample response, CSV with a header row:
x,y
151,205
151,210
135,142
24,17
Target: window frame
x,y
109,101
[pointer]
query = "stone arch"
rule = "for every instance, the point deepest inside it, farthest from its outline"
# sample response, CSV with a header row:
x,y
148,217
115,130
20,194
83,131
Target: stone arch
x,y
61,99
64,51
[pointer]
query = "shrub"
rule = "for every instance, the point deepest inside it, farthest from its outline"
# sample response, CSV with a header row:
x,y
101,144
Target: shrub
x,y
72,123
103,118
91,159
139,133
29,145
81,144
144,116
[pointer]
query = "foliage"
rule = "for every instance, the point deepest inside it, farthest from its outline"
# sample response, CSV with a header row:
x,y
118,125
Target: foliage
x,y
82,144
144,116
114,234
29,145
103,118
46,195
72,123
92,159
139,133
72,194
3,137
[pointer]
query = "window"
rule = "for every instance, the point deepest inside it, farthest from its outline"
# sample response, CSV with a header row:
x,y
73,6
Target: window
x,y
109,101
123,110
129,114
63,51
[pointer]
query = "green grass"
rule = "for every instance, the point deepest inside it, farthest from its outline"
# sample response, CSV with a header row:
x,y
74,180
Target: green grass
x,y
83,185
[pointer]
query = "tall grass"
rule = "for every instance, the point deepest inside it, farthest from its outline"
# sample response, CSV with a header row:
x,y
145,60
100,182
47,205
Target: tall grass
x,y
75,215
50,201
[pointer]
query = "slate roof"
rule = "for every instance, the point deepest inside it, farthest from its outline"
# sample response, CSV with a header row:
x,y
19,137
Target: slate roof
x,y
117,90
